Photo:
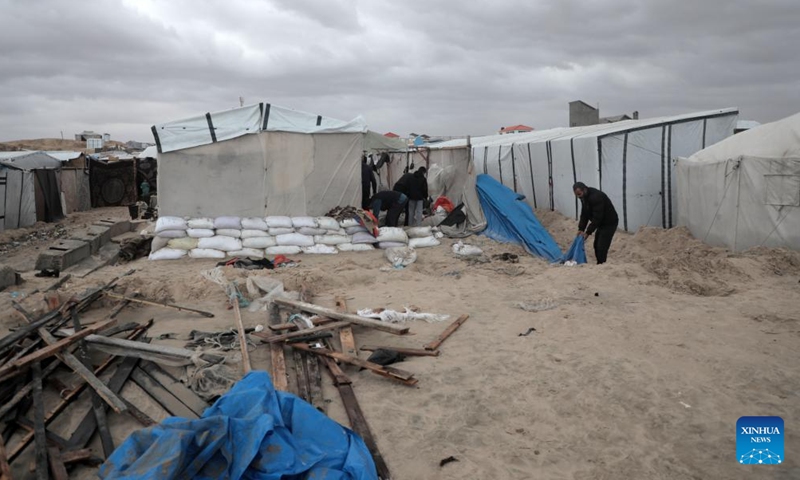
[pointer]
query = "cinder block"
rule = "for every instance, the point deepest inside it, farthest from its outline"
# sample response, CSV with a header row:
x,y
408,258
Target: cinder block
x,y
8,277
96,236
115,227
63,254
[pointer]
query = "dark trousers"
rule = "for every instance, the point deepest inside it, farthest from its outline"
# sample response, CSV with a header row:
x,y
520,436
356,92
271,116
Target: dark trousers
x,y
365,195
393,215
602,241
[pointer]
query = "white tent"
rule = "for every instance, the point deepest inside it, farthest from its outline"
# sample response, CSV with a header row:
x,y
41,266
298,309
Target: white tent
x,y
18,186
745,191
629,160
261,160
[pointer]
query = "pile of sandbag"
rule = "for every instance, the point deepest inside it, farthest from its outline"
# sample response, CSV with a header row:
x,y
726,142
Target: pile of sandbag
x,y
252,237
421,237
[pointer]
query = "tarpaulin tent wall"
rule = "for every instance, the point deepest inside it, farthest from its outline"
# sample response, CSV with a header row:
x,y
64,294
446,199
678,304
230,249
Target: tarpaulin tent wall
x,y
259,160
744,192
18,189
629,161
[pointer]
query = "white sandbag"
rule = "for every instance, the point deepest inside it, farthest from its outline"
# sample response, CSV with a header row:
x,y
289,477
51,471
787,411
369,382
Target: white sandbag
x,y
172,234
254,233
158,243
280,231
259,242
386,245
352,247
363,237
327,223
401,256
354,230
167,254
340,231
295,239
200,232
423,242
321,250
419,232
349,222
233,223
331,239
298,222
229,232
220,242
392,234
284,250
206,253
248,253
466,250
279,222
254,223
207,223
170,223
312,231
185,243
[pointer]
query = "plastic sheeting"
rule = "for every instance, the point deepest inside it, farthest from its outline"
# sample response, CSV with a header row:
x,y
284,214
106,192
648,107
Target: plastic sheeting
x,y
252,432
510,219
576,252
744,191
17,199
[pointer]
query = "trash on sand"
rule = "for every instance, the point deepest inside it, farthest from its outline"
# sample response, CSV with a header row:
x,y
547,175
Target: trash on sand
x,y
466,250
401,257
527,332
447,460
385,356
393,316
506,257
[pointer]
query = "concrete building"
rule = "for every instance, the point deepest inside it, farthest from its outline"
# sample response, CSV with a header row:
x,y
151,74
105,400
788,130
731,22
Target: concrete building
x,y
581,114
515,129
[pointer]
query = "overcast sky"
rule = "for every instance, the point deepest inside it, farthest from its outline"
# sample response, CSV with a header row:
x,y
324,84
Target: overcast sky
x,y
444,67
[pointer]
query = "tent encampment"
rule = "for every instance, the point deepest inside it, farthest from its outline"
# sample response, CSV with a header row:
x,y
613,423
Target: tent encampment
x,y
629,160
29,189
260,160
744,191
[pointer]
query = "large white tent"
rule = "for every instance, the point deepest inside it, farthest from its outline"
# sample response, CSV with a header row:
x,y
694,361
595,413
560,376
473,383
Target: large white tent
x,y
745,191
261,160
631,161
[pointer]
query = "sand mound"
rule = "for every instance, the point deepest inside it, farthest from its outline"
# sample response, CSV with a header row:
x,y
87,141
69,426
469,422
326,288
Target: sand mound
x,y
776,261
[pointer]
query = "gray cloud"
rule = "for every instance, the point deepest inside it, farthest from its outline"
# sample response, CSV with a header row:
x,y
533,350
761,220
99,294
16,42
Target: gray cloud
x,y
444,67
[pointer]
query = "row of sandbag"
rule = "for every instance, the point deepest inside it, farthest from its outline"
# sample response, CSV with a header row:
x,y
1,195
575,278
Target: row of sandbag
x,y
255,237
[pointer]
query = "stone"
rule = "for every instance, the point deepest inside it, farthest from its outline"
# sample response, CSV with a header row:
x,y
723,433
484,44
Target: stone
x,y
63,254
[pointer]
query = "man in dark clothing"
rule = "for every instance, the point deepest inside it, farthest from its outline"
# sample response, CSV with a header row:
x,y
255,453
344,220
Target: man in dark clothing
x,y
596,208
389,200
367,181
417,193
404,186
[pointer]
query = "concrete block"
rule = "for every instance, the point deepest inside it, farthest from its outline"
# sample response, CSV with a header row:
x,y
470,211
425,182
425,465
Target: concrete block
x,y
115,227
95,236
63,254
8,277
139,225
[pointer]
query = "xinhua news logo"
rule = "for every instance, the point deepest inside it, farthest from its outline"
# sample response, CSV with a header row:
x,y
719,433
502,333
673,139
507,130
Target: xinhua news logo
x,y
759,440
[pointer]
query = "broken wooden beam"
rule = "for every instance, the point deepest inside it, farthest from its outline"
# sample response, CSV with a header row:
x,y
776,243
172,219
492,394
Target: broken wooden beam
x,y
242,335
409,352
277,357
5,470
128,348
38,422
434,345
102,425
83,455
401,376
317,320
345,317
58,470
175,387
158,304
266,338
161,395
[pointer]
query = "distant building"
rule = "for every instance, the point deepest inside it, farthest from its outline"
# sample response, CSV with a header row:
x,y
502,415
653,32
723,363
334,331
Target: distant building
x,y
94,143
86,135
515,129
391,135
582,114
134,145
106,137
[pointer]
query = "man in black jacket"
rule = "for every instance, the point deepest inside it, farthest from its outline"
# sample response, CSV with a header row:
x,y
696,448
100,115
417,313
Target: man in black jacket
x,y
596,208
389,200
404,186
417,193
367,181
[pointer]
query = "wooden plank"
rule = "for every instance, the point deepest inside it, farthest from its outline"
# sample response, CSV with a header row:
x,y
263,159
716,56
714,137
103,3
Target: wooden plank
x,y
434,345
314,382
53,347
291,326
57,468
402,376
26,390
102,425
52,438
267,338
345,317
38,421
301,376
157,304
175,387
161,395
5,470
409,352
139,415
242,336
278,360
130,348
81,455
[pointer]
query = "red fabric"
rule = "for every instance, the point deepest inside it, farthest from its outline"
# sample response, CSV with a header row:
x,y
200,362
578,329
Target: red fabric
x,y
443,202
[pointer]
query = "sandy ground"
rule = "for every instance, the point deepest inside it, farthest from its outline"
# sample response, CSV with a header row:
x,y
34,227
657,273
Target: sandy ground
x,y
640,369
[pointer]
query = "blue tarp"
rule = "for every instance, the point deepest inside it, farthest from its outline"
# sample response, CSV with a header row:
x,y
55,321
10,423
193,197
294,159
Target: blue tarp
x,y
576,252
252,432
510,219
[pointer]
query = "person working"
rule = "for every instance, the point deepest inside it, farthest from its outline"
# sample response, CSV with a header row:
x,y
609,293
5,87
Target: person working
x,y
404,186
367,181
389,200
597,216
417,193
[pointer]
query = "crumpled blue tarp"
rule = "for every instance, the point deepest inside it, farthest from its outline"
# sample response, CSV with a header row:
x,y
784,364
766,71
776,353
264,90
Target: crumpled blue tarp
x,y
252,432
510,219
576,252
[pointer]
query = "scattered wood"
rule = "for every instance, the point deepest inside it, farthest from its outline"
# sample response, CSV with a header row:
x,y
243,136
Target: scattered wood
x,y
5,470
242,336
409,352
303,390
57,468
157,304
179,390
161,395
348,341
102,425
131,349
345,317
38,421
57,285
402,376
24,391
83,455
317,320
434,345
313,337
139,415
278,360
266,338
